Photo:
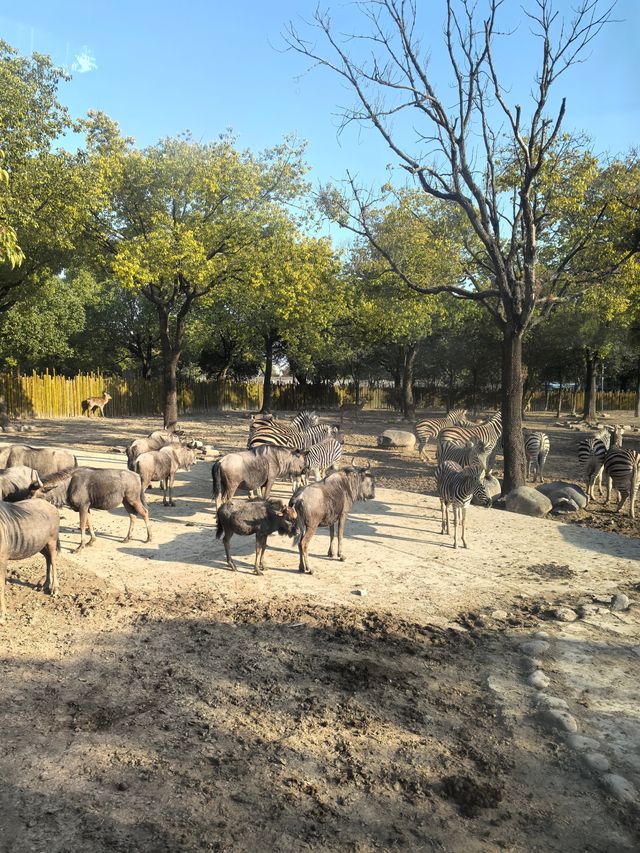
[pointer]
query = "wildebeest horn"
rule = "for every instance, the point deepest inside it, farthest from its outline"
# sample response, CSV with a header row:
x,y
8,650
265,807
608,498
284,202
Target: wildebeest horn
x,y
353,461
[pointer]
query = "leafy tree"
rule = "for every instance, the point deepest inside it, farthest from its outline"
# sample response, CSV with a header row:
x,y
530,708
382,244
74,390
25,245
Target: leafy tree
x,y
176,220
43,203
474,150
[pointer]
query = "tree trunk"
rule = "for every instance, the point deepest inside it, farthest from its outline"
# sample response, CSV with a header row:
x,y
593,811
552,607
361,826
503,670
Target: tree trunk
x,y
408,407
547,392
637,413
559,407
474,391
221,384
512,393
268,369
170,381
590,386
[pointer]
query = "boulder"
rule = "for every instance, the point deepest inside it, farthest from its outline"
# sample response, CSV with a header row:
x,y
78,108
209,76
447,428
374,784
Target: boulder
x,y
560,492
396,438
528,501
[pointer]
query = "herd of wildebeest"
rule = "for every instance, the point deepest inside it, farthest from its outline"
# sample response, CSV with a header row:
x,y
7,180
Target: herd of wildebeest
x,y
36,482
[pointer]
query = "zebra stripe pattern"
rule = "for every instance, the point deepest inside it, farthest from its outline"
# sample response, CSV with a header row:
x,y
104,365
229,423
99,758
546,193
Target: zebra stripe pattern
x,y
471,453
591,455
456,486
488,433
536,450
284,435
319,458
430,428
622,469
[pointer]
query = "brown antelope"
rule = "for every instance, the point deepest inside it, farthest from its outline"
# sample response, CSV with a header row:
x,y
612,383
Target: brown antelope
x,y
92,403
348,408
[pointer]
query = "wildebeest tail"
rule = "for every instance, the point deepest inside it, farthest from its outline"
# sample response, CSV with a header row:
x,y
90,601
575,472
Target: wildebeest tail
x,y
300,526
219,529
216,476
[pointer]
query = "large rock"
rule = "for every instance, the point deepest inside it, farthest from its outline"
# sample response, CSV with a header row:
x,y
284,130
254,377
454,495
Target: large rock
x,y
396,438
492,487
560,492
528,501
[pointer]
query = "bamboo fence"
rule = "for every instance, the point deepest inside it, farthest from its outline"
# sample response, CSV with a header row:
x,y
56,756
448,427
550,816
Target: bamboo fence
x,y
50,395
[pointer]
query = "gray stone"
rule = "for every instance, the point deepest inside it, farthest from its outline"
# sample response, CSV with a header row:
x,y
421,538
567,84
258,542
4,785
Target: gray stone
x,y
539,680
543,700
534,647
564,614
560,492
499,614
582,743
596,761
620,787
619,601
560,719
541,635
361,591
528,501
396,438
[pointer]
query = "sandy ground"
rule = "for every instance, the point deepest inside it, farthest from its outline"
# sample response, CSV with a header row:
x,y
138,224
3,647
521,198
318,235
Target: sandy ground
x,y
164,703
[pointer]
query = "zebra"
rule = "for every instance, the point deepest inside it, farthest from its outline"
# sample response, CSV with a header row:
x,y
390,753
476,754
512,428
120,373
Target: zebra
x,y
319,458
622,470
457,485
284,435
591,455
536,450
470,453
430,428
301,421
488,433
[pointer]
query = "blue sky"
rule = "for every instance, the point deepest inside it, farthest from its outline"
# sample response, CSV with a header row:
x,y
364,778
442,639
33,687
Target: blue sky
x,y
159,68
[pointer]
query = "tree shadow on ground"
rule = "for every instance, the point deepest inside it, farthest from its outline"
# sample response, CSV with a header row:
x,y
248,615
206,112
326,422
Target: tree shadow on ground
x,y
278,725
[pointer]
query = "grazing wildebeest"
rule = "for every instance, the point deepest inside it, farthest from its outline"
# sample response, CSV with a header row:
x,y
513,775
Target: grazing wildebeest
x,y
154,441
329,502
27,527
15,481
254,469
84,489
162,465
259,517
92,403
46,460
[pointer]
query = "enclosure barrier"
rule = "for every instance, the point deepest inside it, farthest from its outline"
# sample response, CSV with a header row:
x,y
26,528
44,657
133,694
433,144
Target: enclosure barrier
x,y
49,395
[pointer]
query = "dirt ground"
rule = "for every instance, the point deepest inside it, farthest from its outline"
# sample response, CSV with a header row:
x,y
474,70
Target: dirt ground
x,y
164,703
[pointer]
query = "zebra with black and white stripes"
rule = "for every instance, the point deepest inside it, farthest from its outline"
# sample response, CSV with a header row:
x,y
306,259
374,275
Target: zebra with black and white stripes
x,y
471,453
622,470
431,427
591,455
284,435
320,458
488,433
536,450
456,486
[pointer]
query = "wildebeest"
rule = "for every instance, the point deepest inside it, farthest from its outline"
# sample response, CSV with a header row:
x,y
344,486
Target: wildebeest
x,y
27,527
154,441
162,465
259,517
84,489
46,460
254,469
329,502
92,403
15,481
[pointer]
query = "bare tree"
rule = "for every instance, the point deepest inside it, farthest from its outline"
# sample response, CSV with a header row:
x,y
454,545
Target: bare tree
x,y
481,154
